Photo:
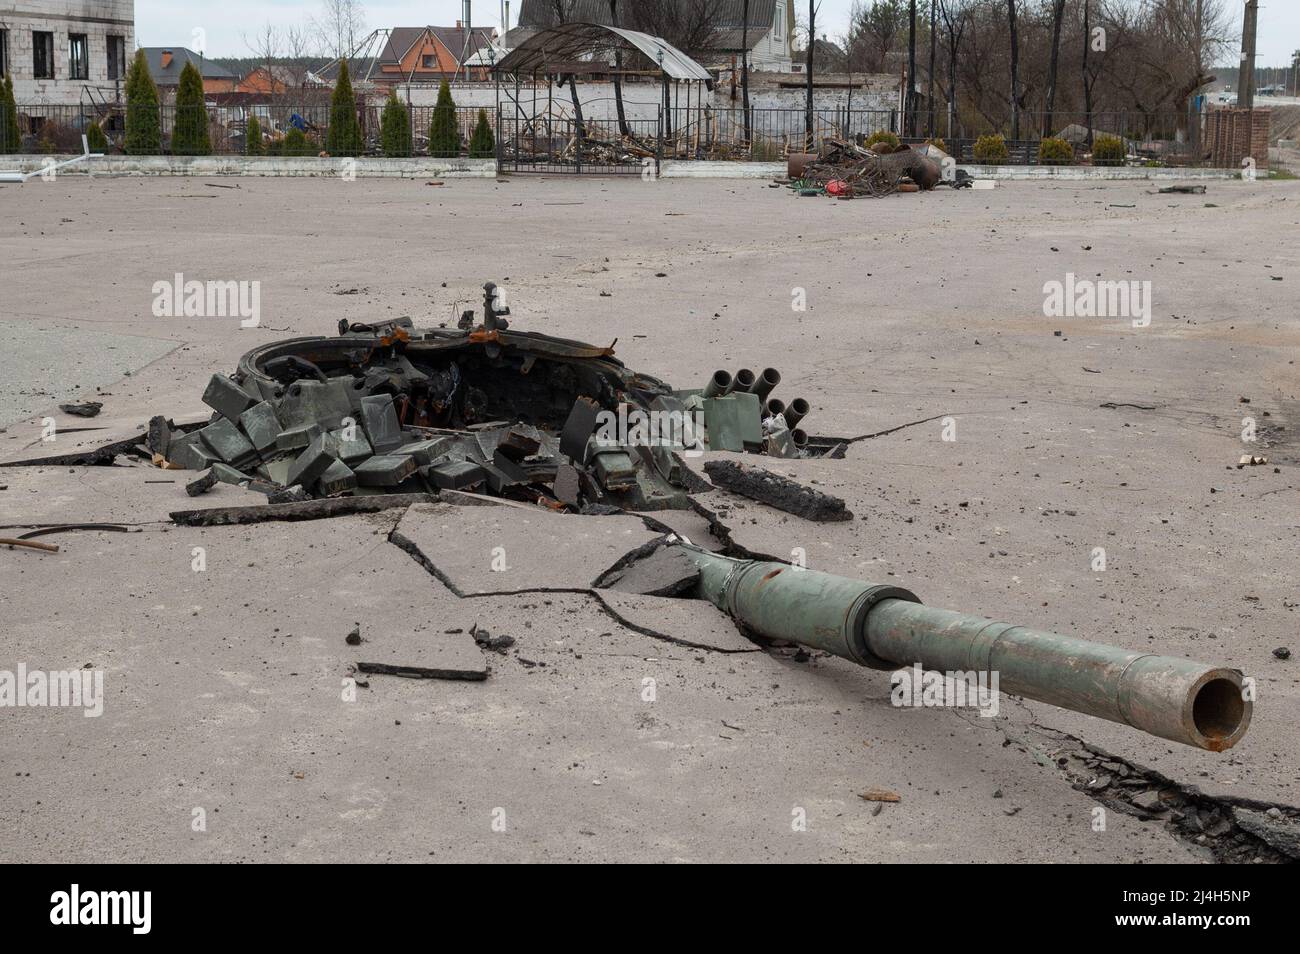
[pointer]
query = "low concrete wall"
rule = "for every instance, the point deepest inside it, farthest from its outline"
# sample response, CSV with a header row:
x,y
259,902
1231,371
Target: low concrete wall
x,y
423,167
1094,173
708,169
419,167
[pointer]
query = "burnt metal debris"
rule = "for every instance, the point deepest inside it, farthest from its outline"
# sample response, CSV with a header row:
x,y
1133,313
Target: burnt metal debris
x,y
388,409
845,170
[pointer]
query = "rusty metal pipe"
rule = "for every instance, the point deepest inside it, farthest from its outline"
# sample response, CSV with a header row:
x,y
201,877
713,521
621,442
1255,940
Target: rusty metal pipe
x,y
798,437
796,411
775,407
886,627
743,381
718,385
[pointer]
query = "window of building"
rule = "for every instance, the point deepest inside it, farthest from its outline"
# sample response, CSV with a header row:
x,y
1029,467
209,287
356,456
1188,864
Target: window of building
x,y
42,54
116,57
78,56
4,52
778,27
429,61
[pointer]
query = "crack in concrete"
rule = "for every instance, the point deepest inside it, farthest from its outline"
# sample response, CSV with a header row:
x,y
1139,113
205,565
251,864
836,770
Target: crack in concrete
x,y
1206,823
413,550
894,430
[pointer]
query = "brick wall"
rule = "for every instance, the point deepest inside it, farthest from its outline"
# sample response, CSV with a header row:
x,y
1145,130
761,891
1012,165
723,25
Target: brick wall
x,y
1233,135
97,19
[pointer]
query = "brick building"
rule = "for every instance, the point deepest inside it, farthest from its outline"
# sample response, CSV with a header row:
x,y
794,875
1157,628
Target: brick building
x,y
1233,135
66,51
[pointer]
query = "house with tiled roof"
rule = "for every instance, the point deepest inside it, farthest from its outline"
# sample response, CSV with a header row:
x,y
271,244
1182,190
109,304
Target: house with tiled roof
x,y
767,33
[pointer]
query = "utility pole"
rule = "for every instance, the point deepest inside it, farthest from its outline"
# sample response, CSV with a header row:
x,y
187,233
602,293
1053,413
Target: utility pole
x,y
1246,85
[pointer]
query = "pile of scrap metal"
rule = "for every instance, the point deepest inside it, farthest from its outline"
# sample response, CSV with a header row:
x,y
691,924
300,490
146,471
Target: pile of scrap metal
x,y
845,170
387,408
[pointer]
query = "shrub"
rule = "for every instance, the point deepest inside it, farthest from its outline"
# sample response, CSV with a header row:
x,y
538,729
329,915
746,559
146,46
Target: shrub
x,y
191,135
143,124
296,144
253,137
11,135
344,137
882,135
395,128
482,145
991,150
96,139
1055,152
444,134
1108,151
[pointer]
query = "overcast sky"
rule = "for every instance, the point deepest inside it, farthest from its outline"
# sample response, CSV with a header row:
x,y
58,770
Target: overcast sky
x,y
173,22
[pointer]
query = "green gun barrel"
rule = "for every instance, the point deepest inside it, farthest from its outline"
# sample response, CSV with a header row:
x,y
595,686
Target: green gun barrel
x,y
887,627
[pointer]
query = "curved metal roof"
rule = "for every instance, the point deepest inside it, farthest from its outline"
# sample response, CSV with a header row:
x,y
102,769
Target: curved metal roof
x,y
570,41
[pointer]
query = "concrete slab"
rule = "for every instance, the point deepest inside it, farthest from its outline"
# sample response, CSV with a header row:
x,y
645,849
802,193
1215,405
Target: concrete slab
x,y
918,307
692,623
505,549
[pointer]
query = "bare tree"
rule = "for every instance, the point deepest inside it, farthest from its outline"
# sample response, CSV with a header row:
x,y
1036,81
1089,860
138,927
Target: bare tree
x,y
909,100
1015,69
1058,17
267,45
812,45
744,73
956,16
618,75
878,26
929,81
689,25
341,25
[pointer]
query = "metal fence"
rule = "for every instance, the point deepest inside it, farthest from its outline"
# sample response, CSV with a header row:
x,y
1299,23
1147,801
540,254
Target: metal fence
x,y
557,145
708,132
1172,138
700,131
59,128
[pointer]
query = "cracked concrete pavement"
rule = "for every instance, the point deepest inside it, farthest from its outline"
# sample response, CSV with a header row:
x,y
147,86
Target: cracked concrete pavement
x,y
226,688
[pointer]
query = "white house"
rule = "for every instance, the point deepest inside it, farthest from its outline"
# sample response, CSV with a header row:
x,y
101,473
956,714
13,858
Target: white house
x,y
66,51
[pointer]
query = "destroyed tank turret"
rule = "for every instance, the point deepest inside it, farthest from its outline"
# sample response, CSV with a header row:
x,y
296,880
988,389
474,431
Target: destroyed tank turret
x,y
386,407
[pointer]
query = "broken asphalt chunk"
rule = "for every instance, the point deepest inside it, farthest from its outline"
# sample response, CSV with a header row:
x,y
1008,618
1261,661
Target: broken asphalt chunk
x,y
777,491
202,484
82,409
665,572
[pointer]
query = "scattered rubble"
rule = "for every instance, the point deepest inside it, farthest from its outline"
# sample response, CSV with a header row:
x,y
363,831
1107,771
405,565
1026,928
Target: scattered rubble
x,y
845,171
82,409
879,795
777,491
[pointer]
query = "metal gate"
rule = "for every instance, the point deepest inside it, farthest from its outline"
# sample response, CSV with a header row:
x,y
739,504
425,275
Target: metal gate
x,y
562,146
